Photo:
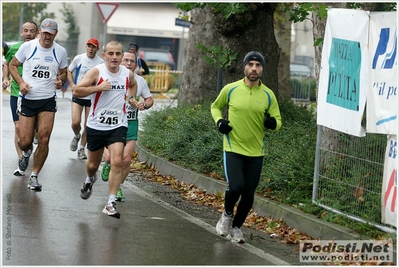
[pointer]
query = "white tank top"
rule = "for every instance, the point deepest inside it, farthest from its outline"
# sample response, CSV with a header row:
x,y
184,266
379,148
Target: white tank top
x,y
82,64
40,68
142,91
108,108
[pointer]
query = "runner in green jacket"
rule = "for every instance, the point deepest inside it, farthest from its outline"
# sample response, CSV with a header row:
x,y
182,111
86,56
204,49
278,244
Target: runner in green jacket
x,y
252,108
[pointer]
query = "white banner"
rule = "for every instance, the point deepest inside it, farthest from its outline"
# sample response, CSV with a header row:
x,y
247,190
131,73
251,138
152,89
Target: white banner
x,y
382,101
389,196
344,73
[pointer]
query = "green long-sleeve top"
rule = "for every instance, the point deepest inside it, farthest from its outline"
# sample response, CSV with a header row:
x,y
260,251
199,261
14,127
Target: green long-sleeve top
x,y
10,54
246,113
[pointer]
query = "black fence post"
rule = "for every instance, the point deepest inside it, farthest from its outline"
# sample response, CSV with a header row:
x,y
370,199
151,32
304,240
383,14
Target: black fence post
x,y
219,79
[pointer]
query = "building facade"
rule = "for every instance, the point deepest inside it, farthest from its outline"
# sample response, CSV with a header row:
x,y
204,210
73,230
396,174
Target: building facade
x,y
152,25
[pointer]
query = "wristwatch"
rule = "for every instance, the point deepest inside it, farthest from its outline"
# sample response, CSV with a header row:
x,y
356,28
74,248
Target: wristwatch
x,y
145,105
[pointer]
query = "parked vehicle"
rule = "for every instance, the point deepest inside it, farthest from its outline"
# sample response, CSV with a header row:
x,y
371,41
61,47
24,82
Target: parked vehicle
x,y
303,70
157,55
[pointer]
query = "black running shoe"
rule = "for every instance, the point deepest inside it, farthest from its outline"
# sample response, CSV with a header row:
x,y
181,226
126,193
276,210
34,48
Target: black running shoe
x,y
24,161
34,184
86,190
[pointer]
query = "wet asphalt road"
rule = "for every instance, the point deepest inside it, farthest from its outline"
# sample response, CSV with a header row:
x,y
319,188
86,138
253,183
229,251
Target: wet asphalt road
x,y
56,227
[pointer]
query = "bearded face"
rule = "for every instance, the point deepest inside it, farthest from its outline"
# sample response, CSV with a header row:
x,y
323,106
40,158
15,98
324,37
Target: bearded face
x,y
253,71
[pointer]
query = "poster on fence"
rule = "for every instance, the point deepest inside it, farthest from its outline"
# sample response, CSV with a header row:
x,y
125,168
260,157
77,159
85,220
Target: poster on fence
x,y
382,99
389,195
344,75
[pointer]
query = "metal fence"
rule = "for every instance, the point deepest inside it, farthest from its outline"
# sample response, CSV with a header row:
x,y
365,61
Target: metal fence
x,y
301,87
348,175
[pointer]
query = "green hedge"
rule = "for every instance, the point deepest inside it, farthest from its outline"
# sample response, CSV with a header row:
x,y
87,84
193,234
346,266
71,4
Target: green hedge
x,y
188,137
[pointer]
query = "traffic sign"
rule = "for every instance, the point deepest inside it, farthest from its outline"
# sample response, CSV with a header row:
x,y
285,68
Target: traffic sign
x,y
183,23
106,10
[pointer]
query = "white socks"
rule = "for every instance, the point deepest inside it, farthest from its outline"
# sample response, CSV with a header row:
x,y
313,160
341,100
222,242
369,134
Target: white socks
x,y
111,198
89,180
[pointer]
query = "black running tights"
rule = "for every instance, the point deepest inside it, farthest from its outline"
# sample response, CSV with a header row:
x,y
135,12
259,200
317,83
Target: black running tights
x,y
243,175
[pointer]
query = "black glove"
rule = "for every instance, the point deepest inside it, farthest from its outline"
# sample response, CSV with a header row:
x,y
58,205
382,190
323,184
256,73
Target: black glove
x,y
223,126
270,122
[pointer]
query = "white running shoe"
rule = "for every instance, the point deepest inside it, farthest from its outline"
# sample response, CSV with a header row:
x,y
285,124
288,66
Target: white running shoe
x,y
236,236
19,172
224,224
111,210
74,143
82,153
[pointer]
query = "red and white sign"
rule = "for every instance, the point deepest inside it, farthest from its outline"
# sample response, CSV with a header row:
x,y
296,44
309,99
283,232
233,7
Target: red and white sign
x,y
106,10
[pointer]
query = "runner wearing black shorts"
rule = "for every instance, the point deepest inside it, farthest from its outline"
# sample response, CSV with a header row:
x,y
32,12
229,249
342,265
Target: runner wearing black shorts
x,y
109,86
79,66
82,102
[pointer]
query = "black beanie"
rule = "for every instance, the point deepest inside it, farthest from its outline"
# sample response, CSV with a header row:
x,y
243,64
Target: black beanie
x,y
254,55
5,48
134,45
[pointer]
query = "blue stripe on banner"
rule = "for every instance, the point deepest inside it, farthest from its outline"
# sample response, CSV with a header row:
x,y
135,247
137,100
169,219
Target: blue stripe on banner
x,y
385,120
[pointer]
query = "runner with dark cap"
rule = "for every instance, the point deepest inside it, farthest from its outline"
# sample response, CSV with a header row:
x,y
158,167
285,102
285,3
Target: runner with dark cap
x,y
142,68
253,108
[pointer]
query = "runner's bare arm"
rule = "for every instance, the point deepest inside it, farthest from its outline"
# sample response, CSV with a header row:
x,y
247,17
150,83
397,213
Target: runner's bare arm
x,y
132,91
6,74
70,79
88,84
62,74
61,78
13,68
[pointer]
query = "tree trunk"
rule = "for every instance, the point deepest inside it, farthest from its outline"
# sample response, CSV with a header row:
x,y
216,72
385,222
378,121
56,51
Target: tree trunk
x,y
242,33
319,29
329,136
319,26
282,30
199,79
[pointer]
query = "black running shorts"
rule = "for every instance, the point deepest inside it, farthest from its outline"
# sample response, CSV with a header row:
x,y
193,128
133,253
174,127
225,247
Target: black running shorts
x,y
82,102
97,139
32,107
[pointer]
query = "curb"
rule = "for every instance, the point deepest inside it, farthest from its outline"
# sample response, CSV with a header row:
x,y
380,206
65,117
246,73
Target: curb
x,y
293,217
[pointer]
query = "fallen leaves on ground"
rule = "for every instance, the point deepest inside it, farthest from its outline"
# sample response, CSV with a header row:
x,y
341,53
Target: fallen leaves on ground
x,y
275,227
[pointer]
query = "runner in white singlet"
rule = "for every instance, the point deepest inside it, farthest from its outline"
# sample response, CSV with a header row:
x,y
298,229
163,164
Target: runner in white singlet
x,y
44,71
79,66
109,86
129,60
108,109
41,66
